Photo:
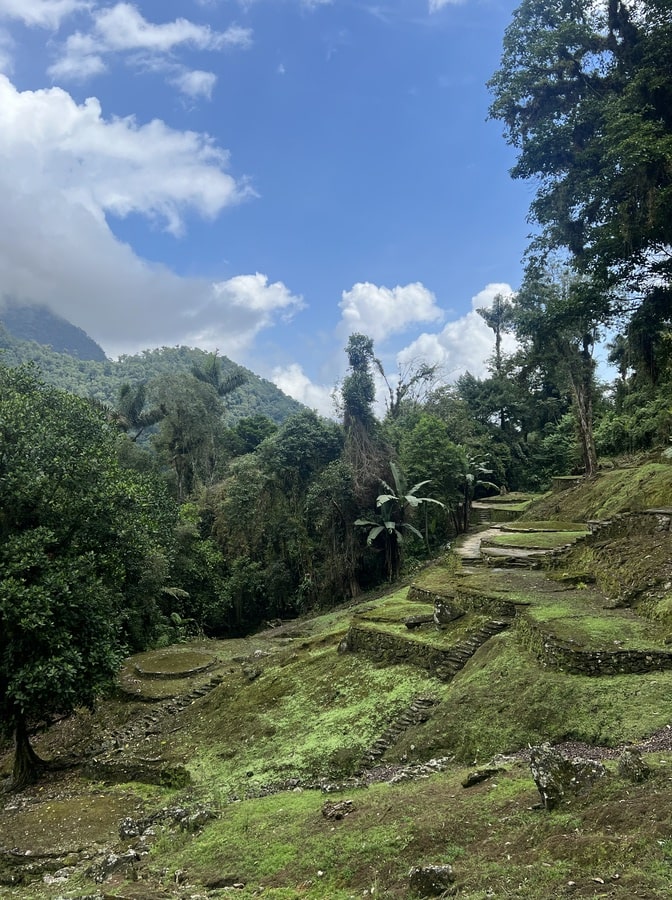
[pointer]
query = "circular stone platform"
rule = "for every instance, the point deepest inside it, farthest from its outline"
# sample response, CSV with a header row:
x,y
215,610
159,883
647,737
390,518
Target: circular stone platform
x,y
172,663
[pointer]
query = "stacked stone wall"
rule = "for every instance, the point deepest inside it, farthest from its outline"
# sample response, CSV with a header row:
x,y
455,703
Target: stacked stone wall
x,y
570,657
468,601
397,649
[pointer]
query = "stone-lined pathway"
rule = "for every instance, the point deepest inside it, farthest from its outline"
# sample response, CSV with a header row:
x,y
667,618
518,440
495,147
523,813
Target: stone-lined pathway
x,y
468,548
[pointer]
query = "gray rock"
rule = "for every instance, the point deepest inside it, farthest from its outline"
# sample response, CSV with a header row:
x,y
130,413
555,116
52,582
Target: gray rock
x,y
113,862
445,611
632,767
479,775
337,810
432,881
417,621
556,776
129,828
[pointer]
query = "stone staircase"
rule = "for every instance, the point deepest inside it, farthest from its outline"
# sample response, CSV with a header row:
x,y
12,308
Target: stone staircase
x,y
482,514
417,713
461,653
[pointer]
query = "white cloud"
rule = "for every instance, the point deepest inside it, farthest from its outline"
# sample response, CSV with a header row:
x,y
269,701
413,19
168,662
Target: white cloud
x,y
380,311
122,28
63,169
112,165
464,344
436,5
195,83
294,382
42,13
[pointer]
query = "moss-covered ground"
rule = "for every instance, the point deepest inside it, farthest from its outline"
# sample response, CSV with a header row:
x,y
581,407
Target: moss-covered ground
x,y
536,540
289,713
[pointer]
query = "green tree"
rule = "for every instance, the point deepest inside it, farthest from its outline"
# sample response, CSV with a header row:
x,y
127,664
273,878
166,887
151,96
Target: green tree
x,y
212,373
191,440
499,317
331,509
132,414
427,451
557,314
82,557
585,93
365,449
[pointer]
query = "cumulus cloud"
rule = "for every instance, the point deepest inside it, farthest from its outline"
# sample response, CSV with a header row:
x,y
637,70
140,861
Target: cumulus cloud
x,y
195,83
111,166
294,382
41,13
380,311
122,29
464,344
63,169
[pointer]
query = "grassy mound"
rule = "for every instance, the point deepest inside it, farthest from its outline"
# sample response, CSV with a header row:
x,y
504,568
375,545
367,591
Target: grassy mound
x,y
610,493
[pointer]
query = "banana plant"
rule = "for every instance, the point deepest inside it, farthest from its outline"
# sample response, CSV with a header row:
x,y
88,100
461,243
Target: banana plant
x,y
389,525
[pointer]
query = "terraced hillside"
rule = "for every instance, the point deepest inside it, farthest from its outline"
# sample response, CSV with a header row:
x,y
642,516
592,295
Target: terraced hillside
x,y
326,757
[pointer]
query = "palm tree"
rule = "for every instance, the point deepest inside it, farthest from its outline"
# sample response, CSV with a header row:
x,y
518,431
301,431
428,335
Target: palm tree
x,y
389,525
212,373
131,415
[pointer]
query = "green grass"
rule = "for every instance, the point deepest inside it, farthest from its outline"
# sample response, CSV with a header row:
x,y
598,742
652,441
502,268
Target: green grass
x,y
504,700
616,491
497,843
543,540
311,715
544,525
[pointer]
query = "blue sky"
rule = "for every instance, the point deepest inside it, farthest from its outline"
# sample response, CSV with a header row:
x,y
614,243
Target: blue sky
x,y
263,177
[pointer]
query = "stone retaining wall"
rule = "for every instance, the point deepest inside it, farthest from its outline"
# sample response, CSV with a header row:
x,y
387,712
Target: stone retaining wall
x,y
397,649
466,600
570,657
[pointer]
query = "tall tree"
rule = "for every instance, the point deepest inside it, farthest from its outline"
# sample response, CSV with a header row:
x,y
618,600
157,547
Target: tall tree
x,y
212,373
82,557
365,450
498,317
556,323
132,414
585,93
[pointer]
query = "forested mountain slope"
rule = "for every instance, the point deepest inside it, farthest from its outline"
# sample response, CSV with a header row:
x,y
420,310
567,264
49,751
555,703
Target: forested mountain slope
x,y
39,324
28,337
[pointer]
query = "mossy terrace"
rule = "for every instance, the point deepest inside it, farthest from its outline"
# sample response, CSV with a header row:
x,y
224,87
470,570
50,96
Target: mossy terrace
x,y
279,715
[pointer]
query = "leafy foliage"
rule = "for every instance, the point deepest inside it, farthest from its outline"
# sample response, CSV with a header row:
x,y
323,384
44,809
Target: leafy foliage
x,y
388,525
82,554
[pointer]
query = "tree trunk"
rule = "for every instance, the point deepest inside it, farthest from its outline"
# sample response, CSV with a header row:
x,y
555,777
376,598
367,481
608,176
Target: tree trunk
x,y
582,392
27,764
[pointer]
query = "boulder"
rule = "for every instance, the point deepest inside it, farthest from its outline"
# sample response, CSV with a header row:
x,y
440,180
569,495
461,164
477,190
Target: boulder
x,y
431,881
337,810
445,611
417,621
556,776
479,775
632,767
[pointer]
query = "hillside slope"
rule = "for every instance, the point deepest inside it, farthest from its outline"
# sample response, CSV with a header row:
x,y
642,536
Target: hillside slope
x,y
102,380
326,757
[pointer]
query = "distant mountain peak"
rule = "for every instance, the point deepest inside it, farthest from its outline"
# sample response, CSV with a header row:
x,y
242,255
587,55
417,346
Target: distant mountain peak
x,y
32,322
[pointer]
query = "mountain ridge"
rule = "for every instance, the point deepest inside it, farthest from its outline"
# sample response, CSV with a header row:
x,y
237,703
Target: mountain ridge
x,y
101,378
